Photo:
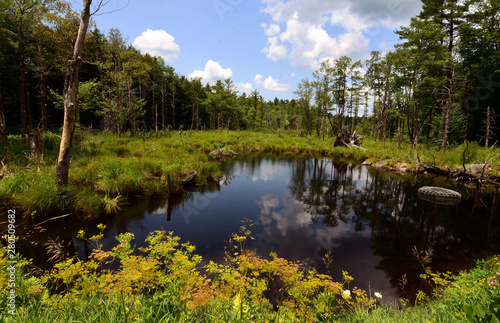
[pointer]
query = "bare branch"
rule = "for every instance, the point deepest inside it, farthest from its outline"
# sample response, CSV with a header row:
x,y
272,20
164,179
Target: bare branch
x,y
102,3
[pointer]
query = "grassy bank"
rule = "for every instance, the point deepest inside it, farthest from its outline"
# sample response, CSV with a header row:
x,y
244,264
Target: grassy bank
x,y
106,170
165,284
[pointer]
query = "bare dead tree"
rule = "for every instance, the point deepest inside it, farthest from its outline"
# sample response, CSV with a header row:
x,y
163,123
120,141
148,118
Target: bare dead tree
x,y
489,124
69,94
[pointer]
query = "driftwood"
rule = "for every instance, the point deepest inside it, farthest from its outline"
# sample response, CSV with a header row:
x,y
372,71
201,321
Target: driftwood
x,y
471,172
345,139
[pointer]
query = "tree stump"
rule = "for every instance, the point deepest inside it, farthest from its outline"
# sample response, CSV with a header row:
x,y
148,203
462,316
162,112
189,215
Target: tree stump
x,y
35,139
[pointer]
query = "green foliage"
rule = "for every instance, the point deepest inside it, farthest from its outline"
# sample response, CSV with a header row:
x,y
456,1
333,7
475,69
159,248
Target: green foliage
x,y
467,297
165,283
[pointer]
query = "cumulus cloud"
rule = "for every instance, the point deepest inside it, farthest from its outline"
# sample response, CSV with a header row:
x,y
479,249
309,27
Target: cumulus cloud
x,y
258,79
271,84
274,50
212,72
298,32
158,43
272,29
245,87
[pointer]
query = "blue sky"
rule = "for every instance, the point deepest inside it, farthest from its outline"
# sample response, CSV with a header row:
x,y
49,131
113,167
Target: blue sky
x,y
268,45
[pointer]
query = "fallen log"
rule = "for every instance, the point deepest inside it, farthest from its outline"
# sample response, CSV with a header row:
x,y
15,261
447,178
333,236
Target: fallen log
x,y
470,172
436,169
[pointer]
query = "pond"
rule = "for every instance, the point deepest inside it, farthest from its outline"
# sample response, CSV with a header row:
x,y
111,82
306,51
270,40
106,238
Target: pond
x,y
301,208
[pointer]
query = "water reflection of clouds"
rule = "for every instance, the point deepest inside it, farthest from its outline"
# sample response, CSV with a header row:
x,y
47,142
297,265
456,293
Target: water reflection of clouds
x,y
290,231
266,171
288,215
286,212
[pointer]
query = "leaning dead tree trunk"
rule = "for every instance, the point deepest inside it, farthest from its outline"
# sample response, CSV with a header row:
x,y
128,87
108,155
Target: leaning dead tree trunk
x,y
69,94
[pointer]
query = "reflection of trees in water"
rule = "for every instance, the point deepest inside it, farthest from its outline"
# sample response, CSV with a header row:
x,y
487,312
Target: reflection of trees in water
x,y
399,220
326,189
65,231
453,235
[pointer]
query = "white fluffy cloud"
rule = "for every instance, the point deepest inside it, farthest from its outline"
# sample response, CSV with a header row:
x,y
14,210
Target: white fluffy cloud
x,y
274,50
213,72
158,43
271,84
272,29
298,32
245,87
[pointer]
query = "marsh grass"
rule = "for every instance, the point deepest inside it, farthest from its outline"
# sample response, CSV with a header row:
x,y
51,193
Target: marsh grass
x,y
105,167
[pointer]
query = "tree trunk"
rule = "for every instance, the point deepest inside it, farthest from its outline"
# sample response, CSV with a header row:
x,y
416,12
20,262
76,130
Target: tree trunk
x,y
156,109
162,108
447,112
318,122
173,105
43,103
374,118
22,79
416,127
41,74
69,94
400,133
28,105
35,139
488,126
3,126
444,140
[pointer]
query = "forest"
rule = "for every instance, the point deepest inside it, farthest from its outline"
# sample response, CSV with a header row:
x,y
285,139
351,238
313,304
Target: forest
x,y
440,85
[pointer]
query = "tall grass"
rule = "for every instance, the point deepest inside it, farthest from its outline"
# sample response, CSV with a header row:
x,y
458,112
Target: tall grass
x,y
108,167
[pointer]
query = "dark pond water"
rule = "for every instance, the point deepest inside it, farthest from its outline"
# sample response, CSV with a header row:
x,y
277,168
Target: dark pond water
x,y
302,208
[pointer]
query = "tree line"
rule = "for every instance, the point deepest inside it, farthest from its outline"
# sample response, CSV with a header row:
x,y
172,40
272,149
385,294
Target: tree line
x,y
119,88
441,83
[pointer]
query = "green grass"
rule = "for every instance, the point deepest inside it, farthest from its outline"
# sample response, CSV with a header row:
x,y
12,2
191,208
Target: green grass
x,y
105,166
164,284
471,296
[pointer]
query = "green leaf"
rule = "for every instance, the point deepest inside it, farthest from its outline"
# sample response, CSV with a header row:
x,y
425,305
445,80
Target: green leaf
x,y
468,311
481,310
